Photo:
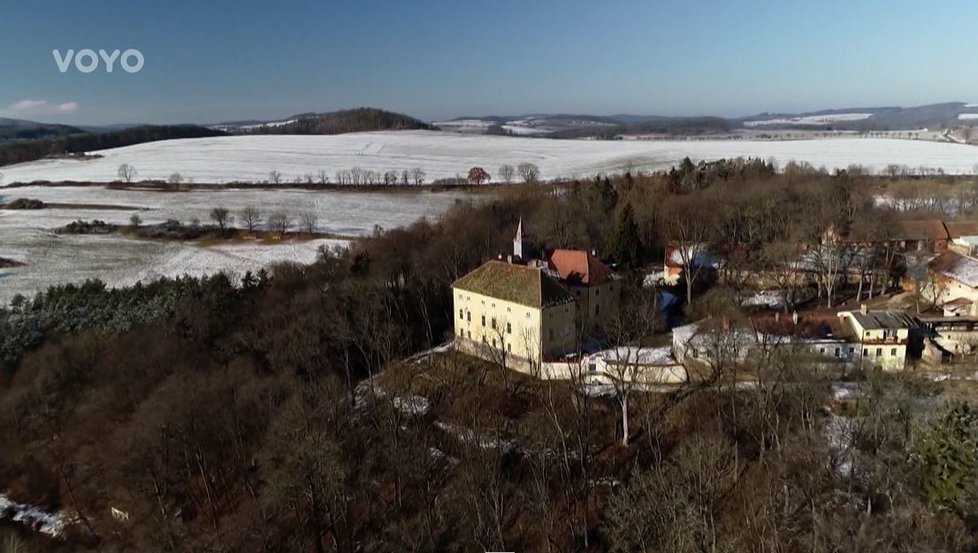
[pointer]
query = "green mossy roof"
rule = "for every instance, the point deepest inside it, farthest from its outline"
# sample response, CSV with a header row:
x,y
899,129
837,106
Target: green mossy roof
x,y
520,284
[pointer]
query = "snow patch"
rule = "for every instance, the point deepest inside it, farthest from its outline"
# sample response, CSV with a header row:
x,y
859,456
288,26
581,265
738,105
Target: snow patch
x,y
51,524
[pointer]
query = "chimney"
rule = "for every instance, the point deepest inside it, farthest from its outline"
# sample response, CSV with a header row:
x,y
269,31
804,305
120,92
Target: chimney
x,y
863,308
794,317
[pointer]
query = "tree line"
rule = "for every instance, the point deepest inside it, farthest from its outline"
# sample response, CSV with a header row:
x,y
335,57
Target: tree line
x,y
22,152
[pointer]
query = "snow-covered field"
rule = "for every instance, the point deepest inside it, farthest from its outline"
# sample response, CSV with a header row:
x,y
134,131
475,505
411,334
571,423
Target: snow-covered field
x,y
444,155
51,259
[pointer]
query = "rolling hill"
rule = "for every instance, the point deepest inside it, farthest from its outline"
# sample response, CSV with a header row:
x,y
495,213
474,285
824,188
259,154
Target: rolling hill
x,y
18,129
335,122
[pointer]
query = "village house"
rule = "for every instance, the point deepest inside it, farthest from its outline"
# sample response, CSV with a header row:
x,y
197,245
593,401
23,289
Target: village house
x,y
956,283
950,339
522,312
905,236
881,338
592,284
699,256
963,235
712,342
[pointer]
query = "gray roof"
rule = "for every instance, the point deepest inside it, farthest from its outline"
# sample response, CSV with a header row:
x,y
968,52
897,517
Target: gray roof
x,y
874,320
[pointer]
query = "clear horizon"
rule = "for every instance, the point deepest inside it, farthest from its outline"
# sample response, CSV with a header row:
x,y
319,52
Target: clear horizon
x,y
220,61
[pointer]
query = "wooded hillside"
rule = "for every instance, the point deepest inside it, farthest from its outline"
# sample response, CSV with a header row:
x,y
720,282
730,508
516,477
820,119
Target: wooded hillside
x,y
287,411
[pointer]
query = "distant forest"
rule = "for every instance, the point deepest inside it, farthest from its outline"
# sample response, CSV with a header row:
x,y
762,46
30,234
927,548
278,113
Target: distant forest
x,y
673,126
22,152
346,121
34,131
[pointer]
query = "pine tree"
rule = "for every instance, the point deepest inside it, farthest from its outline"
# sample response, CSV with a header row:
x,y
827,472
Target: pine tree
x,y
946,453
625,246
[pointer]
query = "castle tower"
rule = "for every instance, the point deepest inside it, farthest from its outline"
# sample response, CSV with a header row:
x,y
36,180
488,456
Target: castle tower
x,y
521,246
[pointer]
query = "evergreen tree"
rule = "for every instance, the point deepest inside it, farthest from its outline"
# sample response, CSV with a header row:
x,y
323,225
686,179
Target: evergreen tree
x,y
946,453
625,246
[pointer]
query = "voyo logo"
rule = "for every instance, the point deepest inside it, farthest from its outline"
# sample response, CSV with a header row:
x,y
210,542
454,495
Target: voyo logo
x,y
87,61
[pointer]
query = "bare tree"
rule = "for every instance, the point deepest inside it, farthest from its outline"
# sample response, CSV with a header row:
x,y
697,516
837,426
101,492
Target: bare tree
x,y
779,261
418,175
135,220
830,261
308,220
629,332
507,172
323,177
175,178
275,177
127,172
221,216
279,222
357,176
689,225
250,216
529,172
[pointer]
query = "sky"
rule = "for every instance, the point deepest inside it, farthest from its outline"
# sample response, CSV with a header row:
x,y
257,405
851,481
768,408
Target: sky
x,y
208,61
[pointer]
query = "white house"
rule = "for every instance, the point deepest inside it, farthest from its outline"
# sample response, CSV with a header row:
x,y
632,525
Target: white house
x,y
882,336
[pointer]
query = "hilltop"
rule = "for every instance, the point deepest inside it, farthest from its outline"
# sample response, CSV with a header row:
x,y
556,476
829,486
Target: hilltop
x,y
334,122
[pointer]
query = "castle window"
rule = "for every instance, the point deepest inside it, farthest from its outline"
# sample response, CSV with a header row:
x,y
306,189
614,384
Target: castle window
x,y
461,313
509,328
597,292
879,352
597,309
468,316
494,323
483,320
893,352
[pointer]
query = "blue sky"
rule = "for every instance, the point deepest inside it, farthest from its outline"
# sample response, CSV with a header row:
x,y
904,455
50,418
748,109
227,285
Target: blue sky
x,y
214,60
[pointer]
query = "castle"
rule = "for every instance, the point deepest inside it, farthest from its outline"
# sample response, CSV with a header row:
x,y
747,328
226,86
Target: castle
x,y
523,311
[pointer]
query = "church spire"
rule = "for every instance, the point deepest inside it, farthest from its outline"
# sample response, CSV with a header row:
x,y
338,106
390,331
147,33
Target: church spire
x,y
521,246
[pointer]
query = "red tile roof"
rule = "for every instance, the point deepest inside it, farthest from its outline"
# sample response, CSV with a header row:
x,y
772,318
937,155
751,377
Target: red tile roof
x,y
579,267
